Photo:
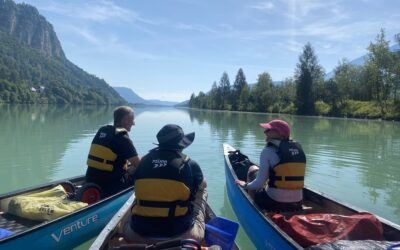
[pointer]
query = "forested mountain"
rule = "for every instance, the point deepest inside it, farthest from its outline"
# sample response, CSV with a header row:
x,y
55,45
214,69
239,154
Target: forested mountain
x,y
33,67
130,96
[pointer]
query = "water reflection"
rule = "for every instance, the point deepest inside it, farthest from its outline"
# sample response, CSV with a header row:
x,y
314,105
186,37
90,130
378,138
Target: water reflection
x,y
227,212
37,137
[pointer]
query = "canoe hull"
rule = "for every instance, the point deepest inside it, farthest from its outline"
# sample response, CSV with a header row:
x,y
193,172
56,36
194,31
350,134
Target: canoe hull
x,y
263,234
70,230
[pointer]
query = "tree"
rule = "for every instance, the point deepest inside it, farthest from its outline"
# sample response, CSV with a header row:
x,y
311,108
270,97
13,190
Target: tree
x,y
244,98
397,70
381,70
215,97
287,92
347,80
225,88
332,95
308,76
192,101
238,85
262,93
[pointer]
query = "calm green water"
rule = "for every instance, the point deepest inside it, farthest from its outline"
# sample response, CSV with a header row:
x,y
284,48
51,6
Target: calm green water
x,y
355,161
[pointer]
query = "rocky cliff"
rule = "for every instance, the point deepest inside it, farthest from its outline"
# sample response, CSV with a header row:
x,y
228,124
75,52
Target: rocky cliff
x,y
24,23
33,67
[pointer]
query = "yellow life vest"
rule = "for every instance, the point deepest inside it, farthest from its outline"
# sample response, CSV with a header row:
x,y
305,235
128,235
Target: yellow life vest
x,y
159,187
101,156
289,172
170,199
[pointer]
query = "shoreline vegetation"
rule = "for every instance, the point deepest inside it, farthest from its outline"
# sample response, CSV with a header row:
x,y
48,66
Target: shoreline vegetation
x,y
369,91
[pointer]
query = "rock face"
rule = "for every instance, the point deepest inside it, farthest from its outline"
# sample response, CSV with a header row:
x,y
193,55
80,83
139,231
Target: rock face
x,y
33,66
24,23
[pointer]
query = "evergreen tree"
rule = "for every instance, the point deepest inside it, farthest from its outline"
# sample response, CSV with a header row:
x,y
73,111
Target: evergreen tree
x,y
215,98
238,85
308,75
192,101
225,92
244,98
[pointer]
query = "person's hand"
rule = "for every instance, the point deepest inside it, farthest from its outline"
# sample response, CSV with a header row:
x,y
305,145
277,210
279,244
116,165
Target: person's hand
x,y
240,183
131,170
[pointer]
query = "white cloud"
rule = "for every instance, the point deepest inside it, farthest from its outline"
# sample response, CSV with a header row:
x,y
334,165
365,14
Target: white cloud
x,y
303,8
97,11
263,6
195,27
105,10
86,34
293,45
109,43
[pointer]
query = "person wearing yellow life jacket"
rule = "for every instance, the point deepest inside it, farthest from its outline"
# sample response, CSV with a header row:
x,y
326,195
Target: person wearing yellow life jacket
x,y
170,191
110,152
282,168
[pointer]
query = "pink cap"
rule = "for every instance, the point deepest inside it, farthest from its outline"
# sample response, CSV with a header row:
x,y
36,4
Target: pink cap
x,y
280,126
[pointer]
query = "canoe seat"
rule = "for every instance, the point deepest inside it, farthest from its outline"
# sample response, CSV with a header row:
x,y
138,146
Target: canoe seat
x,y
306,208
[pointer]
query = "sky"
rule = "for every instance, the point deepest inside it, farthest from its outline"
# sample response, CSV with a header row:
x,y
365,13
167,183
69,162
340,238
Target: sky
x,y
169,49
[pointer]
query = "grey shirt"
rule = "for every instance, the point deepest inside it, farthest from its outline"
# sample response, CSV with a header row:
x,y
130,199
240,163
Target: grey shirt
x,y
268,159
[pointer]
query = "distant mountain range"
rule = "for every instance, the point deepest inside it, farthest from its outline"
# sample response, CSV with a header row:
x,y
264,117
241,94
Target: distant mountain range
x,y
131,97
361,60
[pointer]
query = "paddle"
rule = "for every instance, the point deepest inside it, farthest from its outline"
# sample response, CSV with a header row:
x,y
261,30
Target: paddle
x,y
221,231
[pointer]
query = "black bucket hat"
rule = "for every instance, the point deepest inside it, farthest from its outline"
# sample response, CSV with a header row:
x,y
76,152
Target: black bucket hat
x,y
171,135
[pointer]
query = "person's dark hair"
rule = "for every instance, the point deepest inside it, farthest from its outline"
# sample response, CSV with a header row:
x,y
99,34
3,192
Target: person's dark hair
x,y
120,113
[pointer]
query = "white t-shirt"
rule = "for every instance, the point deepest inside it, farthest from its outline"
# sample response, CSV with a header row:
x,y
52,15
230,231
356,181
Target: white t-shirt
x,y
268,159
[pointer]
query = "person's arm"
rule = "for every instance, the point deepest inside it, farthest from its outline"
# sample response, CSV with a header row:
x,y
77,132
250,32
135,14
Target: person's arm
x,y
198,181
135,160
128,151
268,158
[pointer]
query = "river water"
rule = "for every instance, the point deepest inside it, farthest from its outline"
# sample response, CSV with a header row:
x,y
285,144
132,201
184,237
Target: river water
x,y
356,161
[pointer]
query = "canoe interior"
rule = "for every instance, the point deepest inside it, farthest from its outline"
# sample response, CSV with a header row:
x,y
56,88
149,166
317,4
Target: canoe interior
x,y
18,224
111,237
317,202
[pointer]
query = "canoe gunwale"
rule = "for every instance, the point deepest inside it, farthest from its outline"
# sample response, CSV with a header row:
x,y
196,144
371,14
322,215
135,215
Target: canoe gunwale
x,y
107,232
41,186
87,209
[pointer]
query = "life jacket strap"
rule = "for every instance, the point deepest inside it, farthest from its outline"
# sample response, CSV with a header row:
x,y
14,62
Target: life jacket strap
x,y
288,178
171,205
98,159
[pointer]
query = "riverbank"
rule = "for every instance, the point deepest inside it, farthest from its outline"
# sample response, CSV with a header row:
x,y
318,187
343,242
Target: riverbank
x,y
360,109
348,109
